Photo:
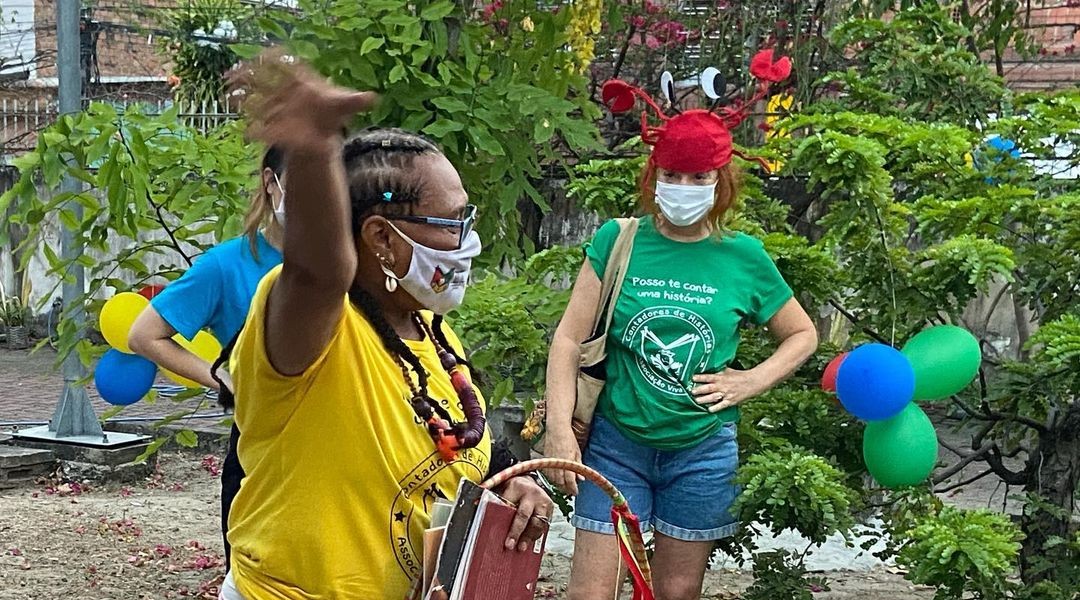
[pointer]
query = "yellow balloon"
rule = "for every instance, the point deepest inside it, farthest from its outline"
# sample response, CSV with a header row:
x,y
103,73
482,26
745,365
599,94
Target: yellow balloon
x,y
203,345
117,317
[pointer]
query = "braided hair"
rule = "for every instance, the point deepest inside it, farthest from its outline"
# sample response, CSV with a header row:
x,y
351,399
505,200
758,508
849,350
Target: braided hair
x,y
377,161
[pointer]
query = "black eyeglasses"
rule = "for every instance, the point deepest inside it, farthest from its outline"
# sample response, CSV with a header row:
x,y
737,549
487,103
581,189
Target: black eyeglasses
x,y
465,224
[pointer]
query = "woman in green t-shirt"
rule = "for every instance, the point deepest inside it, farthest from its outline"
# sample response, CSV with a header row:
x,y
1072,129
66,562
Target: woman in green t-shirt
x,y
664,429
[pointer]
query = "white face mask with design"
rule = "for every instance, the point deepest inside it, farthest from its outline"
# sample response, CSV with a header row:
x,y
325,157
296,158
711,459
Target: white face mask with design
x,y
437,278
279,210
684,205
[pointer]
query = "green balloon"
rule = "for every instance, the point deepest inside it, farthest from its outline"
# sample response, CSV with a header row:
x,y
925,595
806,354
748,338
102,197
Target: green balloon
x,y
901,451
945,359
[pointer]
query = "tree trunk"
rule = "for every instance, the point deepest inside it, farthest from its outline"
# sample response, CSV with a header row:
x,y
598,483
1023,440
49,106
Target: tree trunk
x,y
1055,468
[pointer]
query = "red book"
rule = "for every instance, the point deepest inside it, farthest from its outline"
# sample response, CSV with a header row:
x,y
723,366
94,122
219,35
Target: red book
x,y
488,570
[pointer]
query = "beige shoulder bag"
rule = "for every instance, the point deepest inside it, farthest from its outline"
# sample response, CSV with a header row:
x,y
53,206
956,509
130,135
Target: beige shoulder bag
x,y
592,371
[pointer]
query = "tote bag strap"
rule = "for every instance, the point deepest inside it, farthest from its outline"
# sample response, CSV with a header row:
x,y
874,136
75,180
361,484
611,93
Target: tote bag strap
x,y
614,274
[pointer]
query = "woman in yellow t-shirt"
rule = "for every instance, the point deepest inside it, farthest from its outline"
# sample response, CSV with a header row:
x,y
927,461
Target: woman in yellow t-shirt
x,y
357,409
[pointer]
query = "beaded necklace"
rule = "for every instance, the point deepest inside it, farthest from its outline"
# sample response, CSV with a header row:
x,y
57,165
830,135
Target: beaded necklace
x,y
448,436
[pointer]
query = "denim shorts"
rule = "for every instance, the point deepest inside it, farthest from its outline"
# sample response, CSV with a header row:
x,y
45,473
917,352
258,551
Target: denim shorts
x,y
684,494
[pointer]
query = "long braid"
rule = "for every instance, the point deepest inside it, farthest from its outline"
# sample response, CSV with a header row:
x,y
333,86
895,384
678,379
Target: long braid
x,y
381,182
390,339
440,336
399,350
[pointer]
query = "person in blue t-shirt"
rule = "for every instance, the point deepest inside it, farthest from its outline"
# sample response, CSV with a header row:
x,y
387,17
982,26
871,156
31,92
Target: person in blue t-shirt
x,y
215,294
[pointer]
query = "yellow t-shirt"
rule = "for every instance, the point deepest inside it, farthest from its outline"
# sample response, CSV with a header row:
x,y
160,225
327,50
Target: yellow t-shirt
x,y
341,474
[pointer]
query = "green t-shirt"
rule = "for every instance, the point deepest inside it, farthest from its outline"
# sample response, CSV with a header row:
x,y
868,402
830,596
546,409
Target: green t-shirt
x,y
678,315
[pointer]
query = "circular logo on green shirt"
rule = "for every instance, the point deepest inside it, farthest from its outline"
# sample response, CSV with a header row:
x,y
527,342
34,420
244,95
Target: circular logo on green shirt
x,y
671,344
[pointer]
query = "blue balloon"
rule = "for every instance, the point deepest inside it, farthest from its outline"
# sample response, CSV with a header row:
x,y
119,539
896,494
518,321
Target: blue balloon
x,y
994,151
1003,146
875,382
122,379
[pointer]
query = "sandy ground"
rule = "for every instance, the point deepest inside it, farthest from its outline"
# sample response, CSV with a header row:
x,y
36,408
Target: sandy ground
x,y
159,539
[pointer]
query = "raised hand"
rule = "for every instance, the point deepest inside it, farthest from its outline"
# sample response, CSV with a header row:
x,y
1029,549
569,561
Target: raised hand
x,y
289,105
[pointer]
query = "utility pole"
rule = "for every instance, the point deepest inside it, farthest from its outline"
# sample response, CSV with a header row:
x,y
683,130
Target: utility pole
x,y
74,423
74,415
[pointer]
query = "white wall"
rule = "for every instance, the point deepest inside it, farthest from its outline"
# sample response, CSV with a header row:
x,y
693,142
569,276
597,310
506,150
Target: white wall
x,y
17,36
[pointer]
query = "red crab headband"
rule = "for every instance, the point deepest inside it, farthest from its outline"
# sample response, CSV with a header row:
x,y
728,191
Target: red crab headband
x,y
697,140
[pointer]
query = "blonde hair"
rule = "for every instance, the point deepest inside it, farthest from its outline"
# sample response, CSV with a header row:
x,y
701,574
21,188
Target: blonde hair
x,y
729,178
260,213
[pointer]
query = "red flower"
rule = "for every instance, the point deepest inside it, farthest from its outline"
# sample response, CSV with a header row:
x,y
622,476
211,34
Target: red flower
x,y
670,31
638,21
652,8
766,69
489,9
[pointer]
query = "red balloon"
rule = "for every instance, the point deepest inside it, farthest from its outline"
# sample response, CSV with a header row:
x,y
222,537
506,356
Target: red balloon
x,y
151,290
828,380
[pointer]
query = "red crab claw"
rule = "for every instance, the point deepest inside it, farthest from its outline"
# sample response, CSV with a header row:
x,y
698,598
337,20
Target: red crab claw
x,y
764,68
617,95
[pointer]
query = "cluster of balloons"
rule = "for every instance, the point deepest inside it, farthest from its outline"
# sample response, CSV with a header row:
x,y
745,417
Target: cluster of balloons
x,y
877,383
122,377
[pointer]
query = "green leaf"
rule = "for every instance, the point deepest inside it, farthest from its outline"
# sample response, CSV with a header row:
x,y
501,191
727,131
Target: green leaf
x,y
187,438
483,139
542,131
55,264
399,20
370,44
68,220
110,412
27,162
304,49
396,74
437,10
450,104
442,127
246,51
53,138
151,449
272,27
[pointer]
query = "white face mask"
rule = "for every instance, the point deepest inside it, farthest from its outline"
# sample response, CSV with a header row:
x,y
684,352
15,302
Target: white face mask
x,y
684,205
437,278
279,210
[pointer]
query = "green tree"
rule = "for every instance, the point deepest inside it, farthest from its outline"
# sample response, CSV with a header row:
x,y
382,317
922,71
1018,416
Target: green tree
x,y
198,43
914,217
157,193
920,232
499,94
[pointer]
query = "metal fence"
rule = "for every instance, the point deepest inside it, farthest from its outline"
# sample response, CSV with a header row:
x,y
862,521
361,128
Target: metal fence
x,y
22,119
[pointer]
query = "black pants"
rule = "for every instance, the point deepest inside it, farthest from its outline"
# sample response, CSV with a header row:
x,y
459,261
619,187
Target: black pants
x,y
231,475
